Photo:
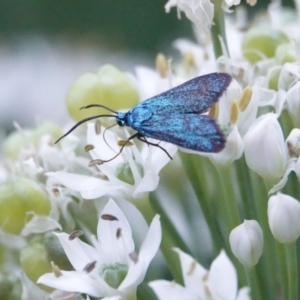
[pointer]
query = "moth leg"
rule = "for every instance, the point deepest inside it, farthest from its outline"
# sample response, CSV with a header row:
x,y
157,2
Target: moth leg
x,y
100,161
142,138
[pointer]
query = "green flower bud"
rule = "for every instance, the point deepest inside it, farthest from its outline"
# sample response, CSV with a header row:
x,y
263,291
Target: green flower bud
x,y
46,127
114,274
56,252
17,198
124,172
14,142
273,79
34,262
10,288
285,53
109,87
259,43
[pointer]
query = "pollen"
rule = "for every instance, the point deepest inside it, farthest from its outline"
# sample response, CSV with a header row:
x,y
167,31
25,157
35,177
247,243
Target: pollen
x,y
161,65
214,111
245,98
233,112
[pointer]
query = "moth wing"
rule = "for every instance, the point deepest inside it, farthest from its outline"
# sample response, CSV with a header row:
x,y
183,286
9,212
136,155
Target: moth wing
x,y
191,131
193,96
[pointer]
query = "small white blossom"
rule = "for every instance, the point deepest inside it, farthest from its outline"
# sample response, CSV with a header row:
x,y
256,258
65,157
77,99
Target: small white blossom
x,y
283,216
246,242
220,282
265,149
201,13
111,268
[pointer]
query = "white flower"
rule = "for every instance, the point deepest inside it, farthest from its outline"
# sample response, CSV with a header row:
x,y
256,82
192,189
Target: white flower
x,y
111,267
283,216
246,242
130,174
201,13
265,149
219,283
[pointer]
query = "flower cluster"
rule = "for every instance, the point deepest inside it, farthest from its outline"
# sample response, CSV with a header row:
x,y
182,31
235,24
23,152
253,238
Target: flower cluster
x,y
235,210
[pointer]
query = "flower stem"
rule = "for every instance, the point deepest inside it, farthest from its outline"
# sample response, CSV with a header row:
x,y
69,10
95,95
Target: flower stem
x,y
167,242
252,282
218,29
291,260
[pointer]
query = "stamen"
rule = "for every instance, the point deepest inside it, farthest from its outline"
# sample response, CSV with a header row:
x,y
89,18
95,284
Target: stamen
x,y
189,62
192,268
125,143
96,162
89,148
161,64
56,270
233,112
119,233
98,127
134,256
214,111
108,217
245,98
75,234
90,267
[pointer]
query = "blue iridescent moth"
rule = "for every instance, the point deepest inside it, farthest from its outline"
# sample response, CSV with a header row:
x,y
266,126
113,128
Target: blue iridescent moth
x,y
175,116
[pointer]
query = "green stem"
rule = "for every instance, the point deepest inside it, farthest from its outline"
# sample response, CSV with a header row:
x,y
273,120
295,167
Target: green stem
x,y
167,243
218,28
283,270
291,261
252,282
192,164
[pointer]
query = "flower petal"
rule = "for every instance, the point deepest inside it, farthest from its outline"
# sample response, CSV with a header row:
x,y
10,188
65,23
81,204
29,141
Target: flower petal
x,y
78,252
137,270
223,278
73,281
115,235
193,274
166,290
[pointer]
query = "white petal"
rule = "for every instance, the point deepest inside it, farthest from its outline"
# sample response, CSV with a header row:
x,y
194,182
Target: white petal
x,y
118,248
166,290
149,248
193,274
291,166
148,184
73,281
244,294
223,278
76,182
78,252
40,224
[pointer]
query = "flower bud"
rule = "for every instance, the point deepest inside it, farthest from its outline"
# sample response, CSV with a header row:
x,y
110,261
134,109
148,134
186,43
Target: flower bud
x,y
109,87
246,242
259,43
293,143
285,53
46,127
293,103
17,198
284,215
265,149
34,261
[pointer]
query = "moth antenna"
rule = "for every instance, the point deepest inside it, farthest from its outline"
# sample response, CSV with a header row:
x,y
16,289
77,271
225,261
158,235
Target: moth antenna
x,y
99,105
105,138
123,146
80,122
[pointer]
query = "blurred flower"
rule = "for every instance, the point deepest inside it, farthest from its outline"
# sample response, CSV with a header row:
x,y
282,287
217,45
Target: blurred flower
x,y
283,215
111,267
220,282
246,242
201,13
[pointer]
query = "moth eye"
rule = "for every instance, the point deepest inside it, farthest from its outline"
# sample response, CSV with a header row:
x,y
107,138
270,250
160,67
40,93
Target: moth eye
x,y
121,123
